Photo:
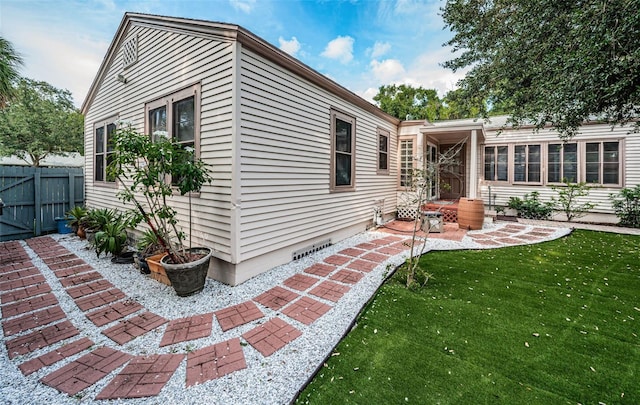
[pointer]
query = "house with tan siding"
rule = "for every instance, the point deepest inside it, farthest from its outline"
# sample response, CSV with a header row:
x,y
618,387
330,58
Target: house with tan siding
x,y
498,161
300,162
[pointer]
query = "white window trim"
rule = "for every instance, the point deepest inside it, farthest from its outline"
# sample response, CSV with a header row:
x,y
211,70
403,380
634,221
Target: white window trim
x,y
512,164
335,114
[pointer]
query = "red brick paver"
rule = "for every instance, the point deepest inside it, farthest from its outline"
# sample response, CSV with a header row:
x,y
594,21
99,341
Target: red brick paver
x,y
300,282
338,260
144,376
330,291
32,320
26,292
113,312
353,252
55,356
129,329
97,300
185,329
347,276
272,336
306,310
237,315
72,271
375,257
320,269
362,265
22,282
367,246
214,361
86,371
80,279
15,275
89,288
276,298
28,305
40,338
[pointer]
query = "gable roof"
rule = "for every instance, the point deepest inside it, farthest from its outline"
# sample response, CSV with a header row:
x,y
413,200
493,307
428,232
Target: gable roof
x,y
230,33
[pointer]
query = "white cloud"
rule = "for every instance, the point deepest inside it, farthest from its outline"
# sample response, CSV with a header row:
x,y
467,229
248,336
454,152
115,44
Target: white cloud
x,y
246,6
291,47
379,49
425,71
369,94
388,70
340,48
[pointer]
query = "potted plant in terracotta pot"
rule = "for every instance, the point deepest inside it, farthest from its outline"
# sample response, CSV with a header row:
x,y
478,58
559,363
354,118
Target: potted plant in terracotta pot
x,y
151,172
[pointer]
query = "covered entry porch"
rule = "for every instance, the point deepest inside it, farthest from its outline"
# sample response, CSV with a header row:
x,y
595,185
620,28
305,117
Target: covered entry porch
x,y
420,143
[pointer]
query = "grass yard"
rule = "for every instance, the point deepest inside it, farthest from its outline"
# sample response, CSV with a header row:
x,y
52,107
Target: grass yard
x,y
549,323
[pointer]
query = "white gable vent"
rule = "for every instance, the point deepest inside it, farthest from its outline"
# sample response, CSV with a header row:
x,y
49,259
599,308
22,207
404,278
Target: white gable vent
x,y
306,251
130,52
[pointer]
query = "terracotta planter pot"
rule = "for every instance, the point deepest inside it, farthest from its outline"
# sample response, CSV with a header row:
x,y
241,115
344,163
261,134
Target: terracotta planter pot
x,y
188,278
156,270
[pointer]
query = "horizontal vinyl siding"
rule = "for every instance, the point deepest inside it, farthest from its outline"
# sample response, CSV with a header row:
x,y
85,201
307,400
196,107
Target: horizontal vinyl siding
x,y
285,160
168,62
595,132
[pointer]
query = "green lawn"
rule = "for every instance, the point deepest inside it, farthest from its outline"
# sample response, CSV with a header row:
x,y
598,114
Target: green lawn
x,y
548,323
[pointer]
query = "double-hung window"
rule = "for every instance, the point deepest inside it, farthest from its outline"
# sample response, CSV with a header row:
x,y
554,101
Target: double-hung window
x,y
343,152
527,164
602,163
176,117
383,151
496,163
562,162
102,136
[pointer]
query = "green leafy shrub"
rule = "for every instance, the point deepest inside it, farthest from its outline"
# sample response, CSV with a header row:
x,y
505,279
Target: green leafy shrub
x,y
531,207
567,199
626,205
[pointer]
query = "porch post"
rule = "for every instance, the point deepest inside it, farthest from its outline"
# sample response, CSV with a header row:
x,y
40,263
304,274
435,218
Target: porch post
x,y
473,162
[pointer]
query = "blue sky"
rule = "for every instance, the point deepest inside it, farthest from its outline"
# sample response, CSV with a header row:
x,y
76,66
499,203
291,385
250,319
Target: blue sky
x,y
360,44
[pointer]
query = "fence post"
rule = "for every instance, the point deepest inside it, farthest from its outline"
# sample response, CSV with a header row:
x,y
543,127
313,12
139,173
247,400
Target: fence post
x,y
37,209
72,191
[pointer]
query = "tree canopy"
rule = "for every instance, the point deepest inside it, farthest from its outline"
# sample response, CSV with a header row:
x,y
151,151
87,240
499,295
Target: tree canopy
x,y
39,121
547,61
10,63
407,102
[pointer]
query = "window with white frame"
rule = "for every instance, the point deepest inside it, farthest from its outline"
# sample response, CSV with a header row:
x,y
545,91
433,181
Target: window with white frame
x,y
343,151
406,148
562,162
602,162
496,163
176,117
527,164
383,151
102,150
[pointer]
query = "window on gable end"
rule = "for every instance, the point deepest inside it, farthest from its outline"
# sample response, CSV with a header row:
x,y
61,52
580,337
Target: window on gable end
x,y
177,117
103,132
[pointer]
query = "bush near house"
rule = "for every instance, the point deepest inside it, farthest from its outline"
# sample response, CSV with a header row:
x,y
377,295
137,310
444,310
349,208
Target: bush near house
x,y
531,207
626,205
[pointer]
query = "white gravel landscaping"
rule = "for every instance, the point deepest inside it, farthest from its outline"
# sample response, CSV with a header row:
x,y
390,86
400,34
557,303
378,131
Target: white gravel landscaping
x,y
272,380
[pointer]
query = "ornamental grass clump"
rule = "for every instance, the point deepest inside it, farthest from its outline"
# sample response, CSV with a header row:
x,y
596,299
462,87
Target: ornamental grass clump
x,y
150,172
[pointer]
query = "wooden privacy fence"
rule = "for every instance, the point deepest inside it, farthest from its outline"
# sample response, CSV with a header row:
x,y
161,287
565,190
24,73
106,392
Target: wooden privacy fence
x,y
34,196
